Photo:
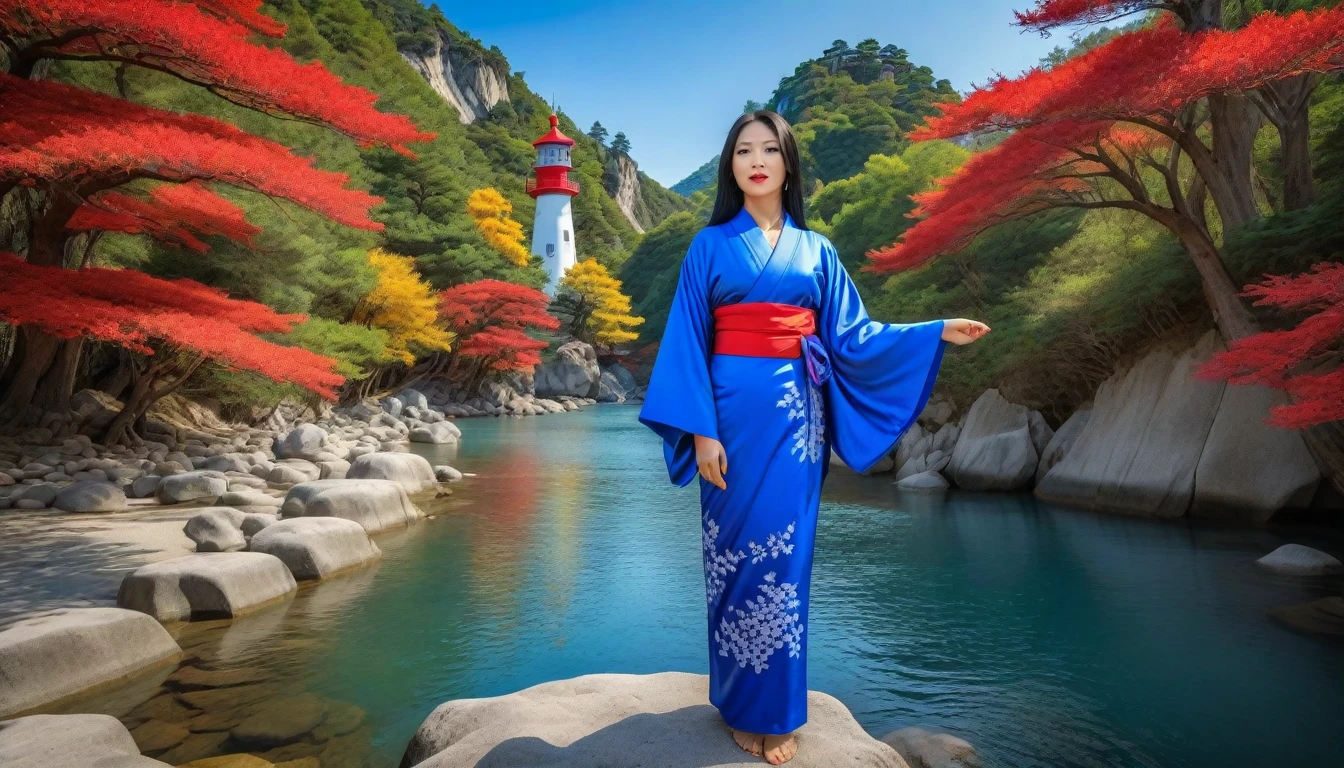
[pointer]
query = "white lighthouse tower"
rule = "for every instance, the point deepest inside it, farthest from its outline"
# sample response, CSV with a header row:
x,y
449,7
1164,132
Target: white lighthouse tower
x,y
553,227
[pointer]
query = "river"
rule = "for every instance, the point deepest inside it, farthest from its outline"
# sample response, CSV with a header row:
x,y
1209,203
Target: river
x,y
1044,636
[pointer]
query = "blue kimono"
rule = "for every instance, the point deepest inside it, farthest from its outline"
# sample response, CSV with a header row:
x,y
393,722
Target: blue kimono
x,y
778,426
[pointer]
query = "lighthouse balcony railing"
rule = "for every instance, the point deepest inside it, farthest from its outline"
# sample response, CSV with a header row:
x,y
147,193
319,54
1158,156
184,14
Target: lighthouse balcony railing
x,y
572,186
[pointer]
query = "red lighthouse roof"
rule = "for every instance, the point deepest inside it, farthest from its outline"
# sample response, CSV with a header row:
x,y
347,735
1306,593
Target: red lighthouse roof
x,y
555,136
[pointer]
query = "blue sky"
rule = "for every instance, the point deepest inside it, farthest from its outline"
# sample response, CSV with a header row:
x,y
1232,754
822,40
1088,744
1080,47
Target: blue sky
x,y
674,75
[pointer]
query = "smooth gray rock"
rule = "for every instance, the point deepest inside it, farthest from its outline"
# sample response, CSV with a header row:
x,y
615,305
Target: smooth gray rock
x,y
255,522
41,492
413,473
209,585
608,719
335,469
1249,470
923,748
70,741
282,474
1163,443
1297,560
1062,441
317,547
1138,452
995,451
146,486
91,496
377,505
439,433
48,656
201,485
214,532
303,442
447,474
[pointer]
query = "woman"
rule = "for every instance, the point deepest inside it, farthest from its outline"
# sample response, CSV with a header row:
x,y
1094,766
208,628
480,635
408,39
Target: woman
x,y
770,359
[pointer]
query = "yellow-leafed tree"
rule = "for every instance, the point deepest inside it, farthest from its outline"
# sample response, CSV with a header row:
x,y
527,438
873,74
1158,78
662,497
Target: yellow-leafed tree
x,y
403,305
491,212
597,310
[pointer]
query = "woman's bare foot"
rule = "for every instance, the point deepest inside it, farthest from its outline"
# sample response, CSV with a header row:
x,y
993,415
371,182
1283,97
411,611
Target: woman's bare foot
x,y
751,742
780,749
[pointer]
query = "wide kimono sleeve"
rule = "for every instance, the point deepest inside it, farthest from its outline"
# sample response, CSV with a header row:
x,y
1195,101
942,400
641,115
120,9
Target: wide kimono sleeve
x,y
679,402
881,373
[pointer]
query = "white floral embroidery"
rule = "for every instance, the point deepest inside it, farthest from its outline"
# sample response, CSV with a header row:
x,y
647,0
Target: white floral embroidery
x,y
767,624
774,545
717,564
809,437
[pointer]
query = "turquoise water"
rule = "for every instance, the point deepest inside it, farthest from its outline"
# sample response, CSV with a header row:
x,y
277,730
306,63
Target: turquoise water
x,y
1044,636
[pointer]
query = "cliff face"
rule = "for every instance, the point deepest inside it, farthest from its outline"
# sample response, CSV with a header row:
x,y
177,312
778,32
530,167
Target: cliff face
x,y
471,87
623,178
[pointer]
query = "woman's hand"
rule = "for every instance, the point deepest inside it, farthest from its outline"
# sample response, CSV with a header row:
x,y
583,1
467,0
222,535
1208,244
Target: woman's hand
x,y
712,461
961,331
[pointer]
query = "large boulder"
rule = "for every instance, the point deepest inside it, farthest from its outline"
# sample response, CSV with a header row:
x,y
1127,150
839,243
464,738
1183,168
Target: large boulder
x,y
92,741
1062,441
599,719
438,433
316,547
377,505
91,496
302,442
996,450
213,530
213,585
49,656
573,371
411,472
1231,480
204,485
1151,448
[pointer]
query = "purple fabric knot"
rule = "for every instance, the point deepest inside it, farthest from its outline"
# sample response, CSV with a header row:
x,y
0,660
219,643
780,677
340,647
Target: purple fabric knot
x,y
818,362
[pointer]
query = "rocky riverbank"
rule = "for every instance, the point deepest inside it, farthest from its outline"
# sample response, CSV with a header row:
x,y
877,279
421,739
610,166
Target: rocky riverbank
x,y
1154,442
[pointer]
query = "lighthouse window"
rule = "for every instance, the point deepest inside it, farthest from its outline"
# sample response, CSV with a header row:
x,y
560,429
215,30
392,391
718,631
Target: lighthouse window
x,y
550,250
566,235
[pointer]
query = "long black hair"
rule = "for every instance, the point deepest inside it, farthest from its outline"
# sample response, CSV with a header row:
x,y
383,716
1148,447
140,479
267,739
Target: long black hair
x,y
729,200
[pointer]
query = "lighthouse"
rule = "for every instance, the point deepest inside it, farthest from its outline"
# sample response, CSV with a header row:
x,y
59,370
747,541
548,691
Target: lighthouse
x,y
553,227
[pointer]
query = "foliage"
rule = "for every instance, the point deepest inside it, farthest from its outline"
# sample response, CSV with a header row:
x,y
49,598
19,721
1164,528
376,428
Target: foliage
x,y
490,319
133,310
491,212
404,306
1275,358
592,301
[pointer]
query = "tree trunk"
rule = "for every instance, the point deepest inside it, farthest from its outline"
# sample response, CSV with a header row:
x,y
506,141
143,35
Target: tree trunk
x,y
1227,167
137,402
33,355
1298,189
1230,314
58,384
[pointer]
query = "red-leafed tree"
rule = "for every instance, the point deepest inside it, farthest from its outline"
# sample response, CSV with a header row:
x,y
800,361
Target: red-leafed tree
x,y
1287,359
491,319
1123,126
1283,101
69,150
175,213
1158,121
178,324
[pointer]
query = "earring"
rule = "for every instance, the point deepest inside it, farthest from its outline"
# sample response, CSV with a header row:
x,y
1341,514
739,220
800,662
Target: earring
x,y
786,186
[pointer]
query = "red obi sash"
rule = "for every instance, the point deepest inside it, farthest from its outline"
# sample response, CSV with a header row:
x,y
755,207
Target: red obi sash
x,y
768,329
762,329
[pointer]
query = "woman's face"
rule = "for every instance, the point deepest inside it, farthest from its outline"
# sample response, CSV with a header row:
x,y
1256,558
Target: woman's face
x,y
758,161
